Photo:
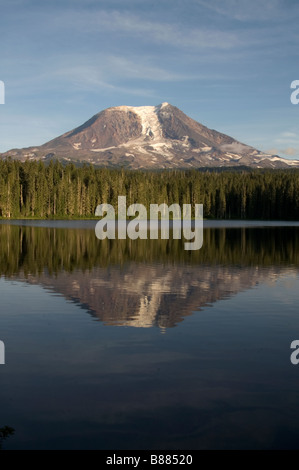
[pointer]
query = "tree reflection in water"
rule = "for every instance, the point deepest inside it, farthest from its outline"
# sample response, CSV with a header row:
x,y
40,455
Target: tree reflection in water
x,y
5,432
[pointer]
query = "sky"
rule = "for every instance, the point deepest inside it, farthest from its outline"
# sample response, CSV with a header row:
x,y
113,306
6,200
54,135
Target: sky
x,y
228,64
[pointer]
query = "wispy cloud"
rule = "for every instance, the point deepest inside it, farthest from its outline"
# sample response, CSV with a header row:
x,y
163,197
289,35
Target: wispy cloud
x,y
137,68
255,10
211,40
287,138
291,151
284,152
130,75
286,144
288,135
155,31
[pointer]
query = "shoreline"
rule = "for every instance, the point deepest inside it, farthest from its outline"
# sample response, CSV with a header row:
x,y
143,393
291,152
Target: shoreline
x,y
91,223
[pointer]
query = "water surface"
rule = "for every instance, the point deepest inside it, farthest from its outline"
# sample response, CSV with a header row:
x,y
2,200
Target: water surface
x,y
122,344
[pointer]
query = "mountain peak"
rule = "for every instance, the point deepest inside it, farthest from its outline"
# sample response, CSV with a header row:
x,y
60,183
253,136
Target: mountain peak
x,y
155,137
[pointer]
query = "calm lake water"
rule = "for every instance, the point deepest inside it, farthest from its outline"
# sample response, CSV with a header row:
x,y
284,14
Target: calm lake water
x,y
142,345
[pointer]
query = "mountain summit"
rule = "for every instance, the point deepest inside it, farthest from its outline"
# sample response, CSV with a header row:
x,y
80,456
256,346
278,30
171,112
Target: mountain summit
x,y
149,137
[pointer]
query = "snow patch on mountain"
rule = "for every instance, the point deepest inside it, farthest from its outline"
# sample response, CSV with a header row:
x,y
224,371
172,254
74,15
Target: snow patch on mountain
x,y
149,120
77,145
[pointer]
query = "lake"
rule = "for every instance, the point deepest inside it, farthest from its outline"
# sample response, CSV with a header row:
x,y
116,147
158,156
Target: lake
x,y
139,344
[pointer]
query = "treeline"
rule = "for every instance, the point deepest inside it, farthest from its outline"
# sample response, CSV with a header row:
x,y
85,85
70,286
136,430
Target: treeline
x,y
33,189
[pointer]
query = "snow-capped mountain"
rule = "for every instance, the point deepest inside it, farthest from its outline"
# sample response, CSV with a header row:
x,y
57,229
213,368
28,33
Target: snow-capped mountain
x,y
149,137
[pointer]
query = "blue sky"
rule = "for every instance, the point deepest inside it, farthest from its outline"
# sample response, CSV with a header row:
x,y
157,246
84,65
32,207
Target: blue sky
x,y
228,64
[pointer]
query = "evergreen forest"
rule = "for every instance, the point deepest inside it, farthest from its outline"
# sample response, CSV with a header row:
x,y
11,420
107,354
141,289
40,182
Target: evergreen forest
x,y
38,190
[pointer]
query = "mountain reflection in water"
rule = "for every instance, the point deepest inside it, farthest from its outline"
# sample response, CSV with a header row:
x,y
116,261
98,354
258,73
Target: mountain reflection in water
x,y
217,378
145,283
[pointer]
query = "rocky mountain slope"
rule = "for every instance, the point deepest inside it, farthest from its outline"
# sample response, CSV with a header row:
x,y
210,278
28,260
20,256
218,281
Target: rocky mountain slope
x,y
149,137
